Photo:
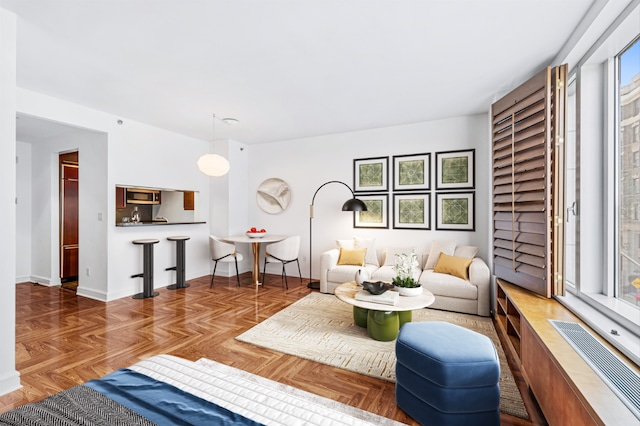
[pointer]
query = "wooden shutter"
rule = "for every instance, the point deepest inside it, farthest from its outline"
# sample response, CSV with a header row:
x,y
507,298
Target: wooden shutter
x,y
528,179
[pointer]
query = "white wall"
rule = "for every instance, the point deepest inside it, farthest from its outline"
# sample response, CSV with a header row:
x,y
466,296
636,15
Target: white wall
x,y
142,155
92,197
228,194
23,212
132,154
9,377
239,176
307,164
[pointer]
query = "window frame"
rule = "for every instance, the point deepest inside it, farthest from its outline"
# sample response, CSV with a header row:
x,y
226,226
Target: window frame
x,y
597,130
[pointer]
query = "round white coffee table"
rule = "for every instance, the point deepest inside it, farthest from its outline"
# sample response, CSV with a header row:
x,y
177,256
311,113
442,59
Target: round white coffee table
x,y
382,321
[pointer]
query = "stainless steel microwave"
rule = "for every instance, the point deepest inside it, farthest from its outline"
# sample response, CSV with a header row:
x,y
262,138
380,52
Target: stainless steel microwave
x,y
143,196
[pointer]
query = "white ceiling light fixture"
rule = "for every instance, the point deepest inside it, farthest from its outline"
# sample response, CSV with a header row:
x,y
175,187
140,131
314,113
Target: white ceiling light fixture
x,y
214,164
231,121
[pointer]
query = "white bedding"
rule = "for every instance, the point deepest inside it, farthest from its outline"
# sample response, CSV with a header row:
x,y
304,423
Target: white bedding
x,y
254,397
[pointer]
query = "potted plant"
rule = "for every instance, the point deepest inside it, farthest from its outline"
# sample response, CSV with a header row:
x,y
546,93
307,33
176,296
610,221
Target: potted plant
x,y
404,267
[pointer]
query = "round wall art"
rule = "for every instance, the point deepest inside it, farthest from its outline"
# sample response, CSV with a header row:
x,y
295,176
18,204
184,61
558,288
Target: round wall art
x,y
273,195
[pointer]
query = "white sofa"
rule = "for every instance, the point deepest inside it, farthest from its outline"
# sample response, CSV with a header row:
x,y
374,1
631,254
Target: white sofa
x,y
452,293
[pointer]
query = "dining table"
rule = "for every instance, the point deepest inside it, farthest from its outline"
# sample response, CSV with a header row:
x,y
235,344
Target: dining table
x,y
255,248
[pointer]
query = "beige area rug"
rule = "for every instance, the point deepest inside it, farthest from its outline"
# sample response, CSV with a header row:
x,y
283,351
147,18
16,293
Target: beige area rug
x,y
320,328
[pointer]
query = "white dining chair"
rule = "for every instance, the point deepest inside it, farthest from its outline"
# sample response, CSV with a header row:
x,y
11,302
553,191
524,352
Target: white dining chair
x,y
285,251
223,252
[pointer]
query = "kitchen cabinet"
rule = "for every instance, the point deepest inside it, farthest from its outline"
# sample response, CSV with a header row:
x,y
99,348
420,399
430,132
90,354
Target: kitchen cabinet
x,y
189,200
121,201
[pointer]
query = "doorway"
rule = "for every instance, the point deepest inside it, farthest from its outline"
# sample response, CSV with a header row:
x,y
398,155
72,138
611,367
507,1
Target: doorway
x,y
69,247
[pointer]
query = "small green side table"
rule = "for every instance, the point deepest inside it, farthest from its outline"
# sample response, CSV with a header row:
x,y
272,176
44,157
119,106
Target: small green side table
x,y
360,316
383,325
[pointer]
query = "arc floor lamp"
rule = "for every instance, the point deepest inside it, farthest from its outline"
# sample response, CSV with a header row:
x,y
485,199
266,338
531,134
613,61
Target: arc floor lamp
x,y
351,205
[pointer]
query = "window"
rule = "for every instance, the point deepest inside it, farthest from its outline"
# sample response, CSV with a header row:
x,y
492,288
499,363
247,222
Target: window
x,y
602,191
628,225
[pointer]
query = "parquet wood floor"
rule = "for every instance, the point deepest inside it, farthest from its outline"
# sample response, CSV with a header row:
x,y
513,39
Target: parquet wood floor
x,y
63,340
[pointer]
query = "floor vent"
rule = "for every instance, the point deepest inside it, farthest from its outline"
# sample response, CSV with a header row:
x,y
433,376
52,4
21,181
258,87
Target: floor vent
x,y
622,380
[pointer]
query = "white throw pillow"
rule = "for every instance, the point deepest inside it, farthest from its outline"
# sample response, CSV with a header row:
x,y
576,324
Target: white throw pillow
x,y
466,251
437,247
345,244
390,259
371,258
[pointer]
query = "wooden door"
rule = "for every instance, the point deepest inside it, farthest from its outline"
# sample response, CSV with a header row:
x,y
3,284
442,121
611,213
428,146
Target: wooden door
x,y
69,217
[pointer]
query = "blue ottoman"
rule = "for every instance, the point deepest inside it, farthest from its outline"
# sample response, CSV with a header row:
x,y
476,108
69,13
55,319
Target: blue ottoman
x,y
447,375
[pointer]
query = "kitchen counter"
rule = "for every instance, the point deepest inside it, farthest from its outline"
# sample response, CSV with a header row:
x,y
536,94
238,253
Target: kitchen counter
x,y
154,223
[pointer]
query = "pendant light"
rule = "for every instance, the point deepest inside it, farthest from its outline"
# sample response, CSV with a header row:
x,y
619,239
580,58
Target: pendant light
x,y
213,164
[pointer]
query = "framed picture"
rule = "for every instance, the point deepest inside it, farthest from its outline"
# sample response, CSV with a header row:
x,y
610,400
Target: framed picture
x,y
412,172
455,169
377,214
412,211
455,211
371,174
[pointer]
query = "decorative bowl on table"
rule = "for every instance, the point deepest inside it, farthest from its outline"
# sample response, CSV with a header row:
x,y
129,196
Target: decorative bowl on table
x,y
377,287
256,234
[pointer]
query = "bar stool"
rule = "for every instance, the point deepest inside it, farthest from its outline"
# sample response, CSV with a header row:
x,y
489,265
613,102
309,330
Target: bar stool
x,y
147,274
179,268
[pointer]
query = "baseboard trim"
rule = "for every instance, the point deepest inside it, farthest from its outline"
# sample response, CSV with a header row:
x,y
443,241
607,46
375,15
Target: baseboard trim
x,y
91,294
9,382
46,281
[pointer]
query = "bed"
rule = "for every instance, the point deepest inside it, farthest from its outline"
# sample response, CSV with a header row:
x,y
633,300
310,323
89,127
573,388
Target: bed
x,y
167,390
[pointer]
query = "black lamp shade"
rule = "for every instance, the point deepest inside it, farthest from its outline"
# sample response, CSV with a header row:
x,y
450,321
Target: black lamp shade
x,y
354,205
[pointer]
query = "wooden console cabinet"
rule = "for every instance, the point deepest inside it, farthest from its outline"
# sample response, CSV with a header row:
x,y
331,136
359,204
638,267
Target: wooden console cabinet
x,y
509,318
567,389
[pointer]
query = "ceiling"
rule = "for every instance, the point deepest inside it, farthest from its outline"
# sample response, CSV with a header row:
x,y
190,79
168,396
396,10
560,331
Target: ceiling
x,y
37,130
286,69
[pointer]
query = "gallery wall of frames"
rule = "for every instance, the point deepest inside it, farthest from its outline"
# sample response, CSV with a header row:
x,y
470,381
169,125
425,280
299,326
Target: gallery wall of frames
x,y
398,190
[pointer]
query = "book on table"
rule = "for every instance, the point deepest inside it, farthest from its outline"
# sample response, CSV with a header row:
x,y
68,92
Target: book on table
x,y
386,298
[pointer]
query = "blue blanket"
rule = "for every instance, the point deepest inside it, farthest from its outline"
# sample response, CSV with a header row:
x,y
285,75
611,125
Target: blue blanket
x,y
163,403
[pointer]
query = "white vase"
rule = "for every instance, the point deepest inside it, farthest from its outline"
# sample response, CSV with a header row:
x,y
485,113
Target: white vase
x,y
410,291
361,276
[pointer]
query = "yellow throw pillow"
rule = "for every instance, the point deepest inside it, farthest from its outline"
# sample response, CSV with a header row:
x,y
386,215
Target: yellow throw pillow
x,y
456,266
352,257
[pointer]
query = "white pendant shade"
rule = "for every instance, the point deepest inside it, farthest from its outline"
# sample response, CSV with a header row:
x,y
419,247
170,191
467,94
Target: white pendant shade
x,y
213,165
